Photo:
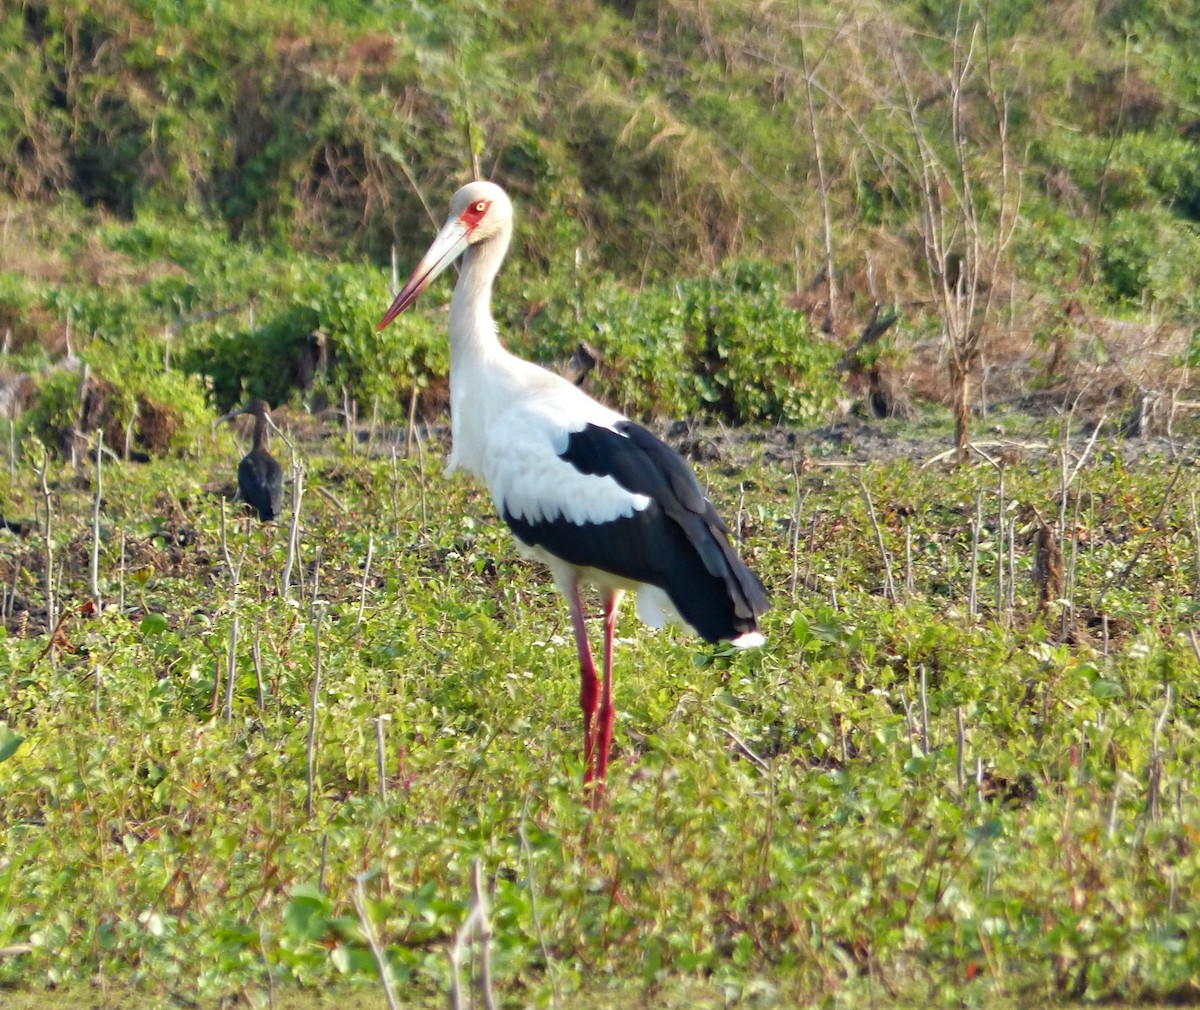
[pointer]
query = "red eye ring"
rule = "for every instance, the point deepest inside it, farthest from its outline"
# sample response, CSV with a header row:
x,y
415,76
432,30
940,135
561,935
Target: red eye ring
x,y
474,213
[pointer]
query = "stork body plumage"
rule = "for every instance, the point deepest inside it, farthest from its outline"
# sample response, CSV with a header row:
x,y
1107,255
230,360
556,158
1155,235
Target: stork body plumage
x,y
598,499
260,477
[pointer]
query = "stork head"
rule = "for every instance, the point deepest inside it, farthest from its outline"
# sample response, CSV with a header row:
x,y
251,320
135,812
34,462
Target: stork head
x,y
255,407
478,212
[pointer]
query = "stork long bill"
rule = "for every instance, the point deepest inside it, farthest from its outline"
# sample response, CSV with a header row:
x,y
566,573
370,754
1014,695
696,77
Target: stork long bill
x,y
446,248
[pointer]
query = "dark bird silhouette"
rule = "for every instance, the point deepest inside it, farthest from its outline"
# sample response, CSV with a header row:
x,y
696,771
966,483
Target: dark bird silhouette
x,y
260,477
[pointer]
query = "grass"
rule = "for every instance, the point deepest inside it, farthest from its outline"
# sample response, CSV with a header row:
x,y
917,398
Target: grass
x,y
674,997
785,826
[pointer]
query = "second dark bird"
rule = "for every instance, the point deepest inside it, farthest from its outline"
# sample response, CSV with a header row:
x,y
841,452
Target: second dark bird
x,y
260,477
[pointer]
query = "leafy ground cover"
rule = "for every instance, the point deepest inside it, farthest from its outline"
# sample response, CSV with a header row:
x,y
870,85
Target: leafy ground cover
x,y
926,786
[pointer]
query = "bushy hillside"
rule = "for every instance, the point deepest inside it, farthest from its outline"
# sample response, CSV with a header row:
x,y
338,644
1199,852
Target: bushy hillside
x,y
1047,153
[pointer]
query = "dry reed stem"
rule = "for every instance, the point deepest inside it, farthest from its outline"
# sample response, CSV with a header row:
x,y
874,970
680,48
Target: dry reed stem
x,y
364,918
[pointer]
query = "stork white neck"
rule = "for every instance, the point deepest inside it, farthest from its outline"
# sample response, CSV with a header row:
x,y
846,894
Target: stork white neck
x,y
480,367
473,332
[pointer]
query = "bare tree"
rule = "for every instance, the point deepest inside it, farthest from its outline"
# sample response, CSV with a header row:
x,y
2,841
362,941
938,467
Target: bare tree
x,y
969,203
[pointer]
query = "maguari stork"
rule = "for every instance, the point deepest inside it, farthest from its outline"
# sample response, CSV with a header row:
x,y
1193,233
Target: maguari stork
x,y
598,499
260,477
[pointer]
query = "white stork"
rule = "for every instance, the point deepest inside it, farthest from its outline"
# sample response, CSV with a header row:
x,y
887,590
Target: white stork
x,y
596,498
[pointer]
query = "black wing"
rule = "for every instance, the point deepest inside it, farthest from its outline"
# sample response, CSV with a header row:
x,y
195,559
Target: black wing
x,y
260,482
678,542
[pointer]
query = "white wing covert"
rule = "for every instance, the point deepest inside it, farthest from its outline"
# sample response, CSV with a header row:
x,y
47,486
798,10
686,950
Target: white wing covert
x,y
528,477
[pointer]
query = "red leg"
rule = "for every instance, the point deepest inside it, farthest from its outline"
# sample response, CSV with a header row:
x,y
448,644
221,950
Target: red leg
x,y
607,712
588,684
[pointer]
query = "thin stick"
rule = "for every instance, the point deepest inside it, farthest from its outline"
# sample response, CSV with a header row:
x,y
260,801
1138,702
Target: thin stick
x,y
121,578
797,511
908,560
12,594
256,653
1155,771
961,764
362,598
1195,643
1161,722
1196,540
745,749
822,184
330,497
1112,810
293,531
924,713
1068,621
364,917
907,716
84,381
96,521
421,472
973,593
380,756
809,573
1012,569
412,422
262,947
1086,450
476,924
347,417
485,940
1000,546
235,574
1062,469
395,498
533,903
51,617
889,587
316,616
311,747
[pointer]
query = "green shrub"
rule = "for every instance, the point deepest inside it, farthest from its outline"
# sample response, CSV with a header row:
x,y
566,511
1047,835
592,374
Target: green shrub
x,y
345,303
1148,258
728,348
754,360
126,383
241,365
379,367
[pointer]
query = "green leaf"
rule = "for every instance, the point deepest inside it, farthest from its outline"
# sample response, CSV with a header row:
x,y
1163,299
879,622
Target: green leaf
x,y
9,742
153,624
307,915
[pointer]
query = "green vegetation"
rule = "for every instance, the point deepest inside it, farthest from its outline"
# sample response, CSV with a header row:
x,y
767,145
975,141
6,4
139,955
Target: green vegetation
x,y
781,827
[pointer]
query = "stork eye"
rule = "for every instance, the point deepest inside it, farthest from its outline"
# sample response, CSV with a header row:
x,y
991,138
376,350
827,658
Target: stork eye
x,y
474,212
